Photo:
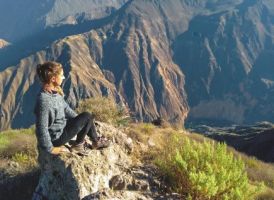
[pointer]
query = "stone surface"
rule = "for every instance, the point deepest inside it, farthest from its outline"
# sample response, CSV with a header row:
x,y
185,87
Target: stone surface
x,y
103,174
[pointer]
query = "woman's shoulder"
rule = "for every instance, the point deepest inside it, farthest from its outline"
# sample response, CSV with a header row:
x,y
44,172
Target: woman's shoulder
x,y
46,100
42,102
44,97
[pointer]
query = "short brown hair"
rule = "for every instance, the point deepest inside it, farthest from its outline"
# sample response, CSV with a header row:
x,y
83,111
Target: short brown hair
x,y
48,70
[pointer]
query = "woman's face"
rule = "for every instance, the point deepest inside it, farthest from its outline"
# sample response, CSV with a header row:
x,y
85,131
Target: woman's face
x,y
57,80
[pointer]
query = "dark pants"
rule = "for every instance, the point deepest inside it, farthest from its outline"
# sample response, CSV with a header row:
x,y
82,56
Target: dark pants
x,y
81,125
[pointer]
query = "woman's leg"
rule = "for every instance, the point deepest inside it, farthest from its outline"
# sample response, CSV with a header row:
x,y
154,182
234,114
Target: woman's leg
x,y
81,125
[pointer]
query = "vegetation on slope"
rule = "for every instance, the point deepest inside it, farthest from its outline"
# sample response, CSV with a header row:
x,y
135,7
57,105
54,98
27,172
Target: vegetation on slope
x,y
192,165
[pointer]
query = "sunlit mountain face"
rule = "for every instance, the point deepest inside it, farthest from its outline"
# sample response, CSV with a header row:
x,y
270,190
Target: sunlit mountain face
x,y
194,60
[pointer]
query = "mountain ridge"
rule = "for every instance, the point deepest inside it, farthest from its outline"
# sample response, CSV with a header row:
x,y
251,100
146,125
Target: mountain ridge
x,y
32,17
202,62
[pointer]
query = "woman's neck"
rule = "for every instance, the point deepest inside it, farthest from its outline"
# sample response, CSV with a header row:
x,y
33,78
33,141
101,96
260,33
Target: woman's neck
x,y
49,88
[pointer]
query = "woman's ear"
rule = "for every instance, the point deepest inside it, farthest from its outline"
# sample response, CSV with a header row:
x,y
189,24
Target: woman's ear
x,y
53,79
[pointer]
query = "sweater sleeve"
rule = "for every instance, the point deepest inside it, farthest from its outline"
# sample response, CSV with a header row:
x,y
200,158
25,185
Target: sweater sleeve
x,y
69,113
42,123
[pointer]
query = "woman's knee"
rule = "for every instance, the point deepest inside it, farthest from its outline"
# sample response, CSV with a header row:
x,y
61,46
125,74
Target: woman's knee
x,y
87,115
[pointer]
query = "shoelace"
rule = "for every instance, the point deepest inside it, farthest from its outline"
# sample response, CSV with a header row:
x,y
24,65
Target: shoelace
x,y
85,145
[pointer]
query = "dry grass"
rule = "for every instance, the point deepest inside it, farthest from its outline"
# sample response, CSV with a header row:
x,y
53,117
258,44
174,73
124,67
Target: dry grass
x,y
18,151
105,110
19,146
268,194
259,171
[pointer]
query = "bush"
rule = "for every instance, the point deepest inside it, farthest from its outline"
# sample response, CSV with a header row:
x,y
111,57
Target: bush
x,y
105,110
27,160
204,171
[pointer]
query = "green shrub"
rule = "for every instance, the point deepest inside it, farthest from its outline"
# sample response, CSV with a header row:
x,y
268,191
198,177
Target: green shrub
x,y
105,110
20,157
4,141
147,128
24,159
205,171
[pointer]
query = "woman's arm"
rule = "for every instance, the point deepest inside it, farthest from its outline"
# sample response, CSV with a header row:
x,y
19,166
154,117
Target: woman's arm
x,y
69,113
42,123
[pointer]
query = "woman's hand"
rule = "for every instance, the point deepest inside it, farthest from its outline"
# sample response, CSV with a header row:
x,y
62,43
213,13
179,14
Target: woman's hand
x,y
59,150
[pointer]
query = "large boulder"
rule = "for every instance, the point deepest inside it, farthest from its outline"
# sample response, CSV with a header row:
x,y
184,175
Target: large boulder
x,y
103,174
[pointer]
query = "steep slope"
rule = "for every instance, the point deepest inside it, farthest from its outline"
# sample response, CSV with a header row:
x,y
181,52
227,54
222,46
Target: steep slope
x,y
227,59
19,84
135,48
19,19
142,72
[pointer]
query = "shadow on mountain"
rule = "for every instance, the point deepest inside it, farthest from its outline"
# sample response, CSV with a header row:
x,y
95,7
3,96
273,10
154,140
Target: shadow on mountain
x,y
254,140
259,144
11,55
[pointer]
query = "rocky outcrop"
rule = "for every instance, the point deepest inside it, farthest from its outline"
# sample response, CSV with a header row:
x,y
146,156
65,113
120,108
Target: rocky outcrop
x,y
103,174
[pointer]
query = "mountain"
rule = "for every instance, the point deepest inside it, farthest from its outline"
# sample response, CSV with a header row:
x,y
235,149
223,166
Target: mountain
x,y
20,19
174,59
228,58
3,43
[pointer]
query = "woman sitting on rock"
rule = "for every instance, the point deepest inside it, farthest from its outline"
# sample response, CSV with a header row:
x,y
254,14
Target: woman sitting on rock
x,y
56,122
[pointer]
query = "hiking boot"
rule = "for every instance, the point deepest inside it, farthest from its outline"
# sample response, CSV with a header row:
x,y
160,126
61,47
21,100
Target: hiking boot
x,y
88,144
81,149
101,142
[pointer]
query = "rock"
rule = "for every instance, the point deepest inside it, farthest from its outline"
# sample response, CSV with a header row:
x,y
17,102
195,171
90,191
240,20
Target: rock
x,y
103,174
117,183
150,142
142,146
129,144
160,122
140,185
116,135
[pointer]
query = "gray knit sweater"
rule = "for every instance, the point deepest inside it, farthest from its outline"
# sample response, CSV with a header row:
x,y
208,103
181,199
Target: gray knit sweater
x,y
51,112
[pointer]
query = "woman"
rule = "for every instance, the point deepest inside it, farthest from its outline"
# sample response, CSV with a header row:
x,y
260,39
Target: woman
x,y
56,122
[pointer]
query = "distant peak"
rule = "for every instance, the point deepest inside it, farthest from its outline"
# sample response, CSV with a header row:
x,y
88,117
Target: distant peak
x,y
3,43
